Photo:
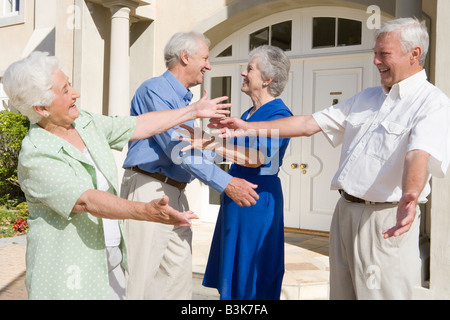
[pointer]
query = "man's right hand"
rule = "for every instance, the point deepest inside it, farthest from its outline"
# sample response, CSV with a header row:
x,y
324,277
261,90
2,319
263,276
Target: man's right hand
x,y
242,192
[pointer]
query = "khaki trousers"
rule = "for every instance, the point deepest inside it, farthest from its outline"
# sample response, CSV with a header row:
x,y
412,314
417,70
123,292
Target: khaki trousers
x,y
159,255
364,265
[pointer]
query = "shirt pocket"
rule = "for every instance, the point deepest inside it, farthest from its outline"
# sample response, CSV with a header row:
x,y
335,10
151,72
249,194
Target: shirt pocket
x,y
386,140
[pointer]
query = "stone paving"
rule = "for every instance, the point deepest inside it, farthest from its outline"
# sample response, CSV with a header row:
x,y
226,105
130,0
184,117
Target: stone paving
x,y
12,268
306,276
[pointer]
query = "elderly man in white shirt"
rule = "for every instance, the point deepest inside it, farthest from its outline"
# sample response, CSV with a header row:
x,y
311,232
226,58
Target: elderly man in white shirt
x,y
394,138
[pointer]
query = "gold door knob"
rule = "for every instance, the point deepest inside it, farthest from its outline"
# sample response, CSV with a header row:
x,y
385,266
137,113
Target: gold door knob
x,y
294,166
303,166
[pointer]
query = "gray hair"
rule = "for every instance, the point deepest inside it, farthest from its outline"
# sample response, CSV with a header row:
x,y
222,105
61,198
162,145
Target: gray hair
x,y
412,32
273,63
182,41
28,83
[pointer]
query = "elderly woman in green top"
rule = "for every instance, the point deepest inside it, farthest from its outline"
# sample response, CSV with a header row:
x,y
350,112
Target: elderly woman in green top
x,y
75,248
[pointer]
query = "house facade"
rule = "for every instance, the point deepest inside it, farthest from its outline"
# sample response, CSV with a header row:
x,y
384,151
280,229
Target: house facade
x,y
109,47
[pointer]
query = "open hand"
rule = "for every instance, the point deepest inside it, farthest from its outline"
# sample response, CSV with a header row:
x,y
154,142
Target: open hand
x,y
213,108
159,211
228,127
406,213
197,138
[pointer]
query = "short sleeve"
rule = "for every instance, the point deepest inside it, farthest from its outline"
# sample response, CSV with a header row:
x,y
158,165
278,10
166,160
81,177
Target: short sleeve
x,y
117,130
432,134
332,121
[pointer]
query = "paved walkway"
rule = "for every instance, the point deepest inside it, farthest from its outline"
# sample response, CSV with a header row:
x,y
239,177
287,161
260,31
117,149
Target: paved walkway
x,y
12,268
306,277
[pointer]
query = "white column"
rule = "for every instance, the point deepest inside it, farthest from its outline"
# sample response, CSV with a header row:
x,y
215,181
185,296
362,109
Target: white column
x,y
119,77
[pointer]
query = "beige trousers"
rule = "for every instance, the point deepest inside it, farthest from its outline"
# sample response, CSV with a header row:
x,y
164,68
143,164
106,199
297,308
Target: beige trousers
x,y
364,265
159,255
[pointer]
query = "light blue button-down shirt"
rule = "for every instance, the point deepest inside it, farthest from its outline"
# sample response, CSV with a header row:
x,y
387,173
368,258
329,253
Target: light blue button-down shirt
x,y
161,153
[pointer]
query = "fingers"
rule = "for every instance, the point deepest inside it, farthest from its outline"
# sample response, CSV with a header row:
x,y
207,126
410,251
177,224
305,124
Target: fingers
x,y
399,229
185,217
164,200
219,99
396,231
187,148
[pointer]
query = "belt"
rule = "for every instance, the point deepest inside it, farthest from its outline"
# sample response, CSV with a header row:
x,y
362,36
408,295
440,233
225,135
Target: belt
x,y
160,177
349,198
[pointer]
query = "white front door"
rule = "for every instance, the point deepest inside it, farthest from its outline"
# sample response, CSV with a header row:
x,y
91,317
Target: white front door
x,y
325,82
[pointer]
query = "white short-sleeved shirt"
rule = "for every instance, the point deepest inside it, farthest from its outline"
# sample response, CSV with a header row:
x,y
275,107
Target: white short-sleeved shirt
x,y
66,254
377,128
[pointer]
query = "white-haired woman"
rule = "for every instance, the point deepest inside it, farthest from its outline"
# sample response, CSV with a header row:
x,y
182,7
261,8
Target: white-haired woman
x,y
66,169
246,259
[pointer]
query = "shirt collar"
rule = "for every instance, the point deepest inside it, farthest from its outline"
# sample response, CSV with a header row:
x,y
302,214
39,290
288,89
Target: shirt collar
x,y
178,87
39,136
408,86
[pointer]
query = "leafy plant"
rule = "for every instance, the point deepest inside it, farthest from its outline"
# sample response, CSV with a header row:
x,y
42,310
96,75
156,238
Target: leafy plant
x,y
14,127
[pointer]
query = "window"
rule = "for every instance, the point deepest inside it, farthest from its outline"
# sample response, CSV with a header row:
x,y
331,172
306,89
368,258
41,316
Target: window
x,y
336,32
11,12
228,52
9,8
279,35
4,101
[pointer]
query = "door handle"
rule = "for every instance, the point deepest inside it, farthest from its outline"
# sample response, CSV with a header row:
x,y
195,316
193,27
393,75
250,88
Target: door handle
x,y
302,166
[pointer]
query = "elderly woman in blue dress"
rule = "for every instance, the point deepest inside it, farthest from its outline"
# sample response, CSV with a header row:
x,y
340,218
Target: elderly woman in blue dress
x,y
75,248
246,259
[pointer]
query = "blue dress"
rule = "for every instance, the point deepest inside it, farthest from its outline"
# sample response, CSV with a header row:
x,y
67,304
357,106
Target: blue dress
x,y
246,259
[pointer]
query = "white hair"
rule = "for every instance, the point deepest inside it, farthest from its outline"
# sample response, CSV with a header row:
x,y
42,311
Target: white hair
x,y
273,63
182,41
412,33
28,83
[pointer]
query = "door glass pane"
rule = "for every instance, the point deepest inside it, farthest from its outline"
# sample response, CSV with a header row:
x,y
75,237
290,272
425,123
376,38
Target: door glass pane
x,y
349,32
282,35
324,32
220,86
259,38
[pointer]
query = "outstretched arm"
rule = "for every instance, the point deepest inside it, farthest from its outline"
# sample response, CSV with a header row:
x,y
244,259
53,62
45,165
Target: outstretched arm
x,y
104,205
415,176
156,122
295,126
199,139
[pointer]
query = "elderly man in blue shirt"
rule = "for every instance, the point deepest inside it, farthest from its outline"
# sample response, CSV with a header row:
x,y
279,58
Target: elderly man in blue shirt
x,y
160,258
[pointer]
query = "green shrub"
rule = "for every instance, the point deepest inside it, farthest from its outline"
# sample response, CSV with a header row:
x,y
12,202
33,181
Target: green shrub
x,y
14,127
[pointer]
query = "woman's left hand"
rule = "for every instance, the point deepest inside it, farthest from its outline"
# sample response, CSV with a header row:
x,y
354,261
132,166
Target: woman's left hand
x,y
159,211
197,138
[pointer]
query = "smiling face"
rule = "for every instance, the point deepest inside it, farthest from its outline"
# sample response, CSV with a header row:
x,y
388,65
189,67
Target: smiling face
x,y
252,79
63,110
392,62
197,65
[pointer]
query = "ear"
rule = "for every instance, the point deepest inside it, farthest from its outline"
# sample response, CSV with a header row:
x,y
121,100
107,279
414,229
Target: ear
x,y
184,58
268,81
416,53
41,111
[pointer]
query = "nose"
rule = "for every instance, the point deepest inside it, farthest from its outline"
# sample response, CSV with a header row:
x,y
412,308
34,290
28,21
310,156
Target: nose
x,y
75,94
376,59
208,65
